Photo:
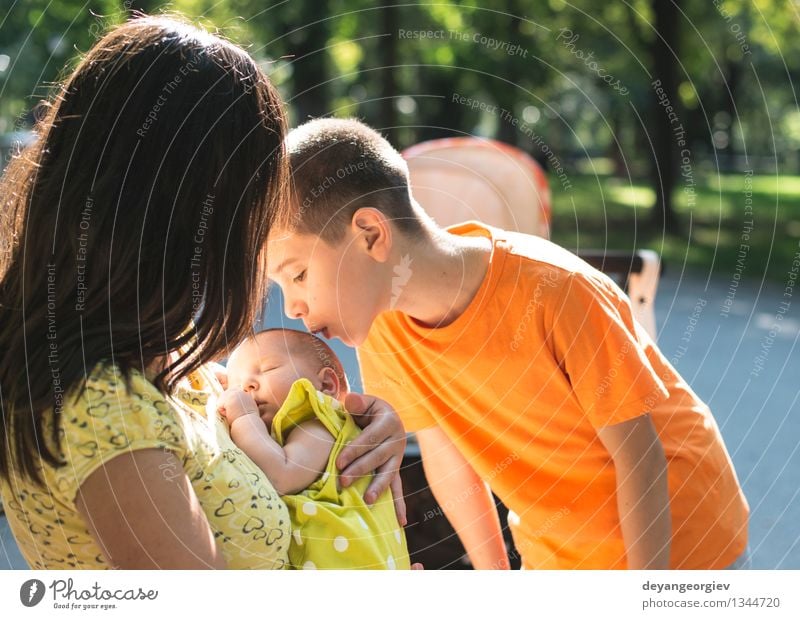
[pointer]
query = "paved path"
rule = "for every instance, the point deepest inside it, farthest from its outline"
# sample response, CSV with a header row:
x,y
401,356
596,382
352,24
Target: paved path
x,y
749,376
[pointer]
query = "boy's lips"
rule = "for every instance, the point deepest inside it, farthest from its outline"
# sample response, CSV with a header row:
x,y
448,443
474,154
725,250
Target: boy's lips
x,y
323,331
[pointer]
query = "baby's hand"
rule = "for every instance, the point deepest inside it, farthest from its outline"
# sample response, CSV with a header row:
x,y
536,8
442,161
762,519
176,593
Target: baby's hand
x,y
235,403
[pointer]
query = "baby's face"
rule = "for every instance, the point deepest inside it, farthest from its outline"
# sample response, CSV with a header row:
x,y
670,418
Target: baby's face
x,y
263,367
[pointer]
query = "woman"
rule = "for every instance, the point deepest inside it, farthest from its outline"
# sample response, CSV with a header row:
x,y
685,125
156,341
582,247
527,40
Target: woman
x,y
134,255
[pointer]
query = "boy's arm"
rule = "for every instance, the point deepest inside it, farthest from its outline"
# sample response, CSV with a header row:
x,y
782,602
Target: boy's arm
x,y
642,493
465,499
291,468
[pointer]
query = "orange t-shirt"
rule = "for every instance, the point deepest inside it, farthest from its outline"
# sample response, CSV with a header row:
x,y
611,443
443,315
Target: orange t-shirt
x,y
546,353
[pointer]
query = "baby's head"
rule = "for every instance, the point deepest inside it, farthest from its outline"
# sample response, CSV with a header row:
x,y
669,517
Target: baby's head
x,y
335,250
267,364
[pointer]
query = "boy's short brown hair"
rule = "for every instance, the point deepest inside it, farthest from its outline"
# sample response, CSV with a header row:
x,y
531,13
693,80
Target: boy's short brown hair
x,y
342,165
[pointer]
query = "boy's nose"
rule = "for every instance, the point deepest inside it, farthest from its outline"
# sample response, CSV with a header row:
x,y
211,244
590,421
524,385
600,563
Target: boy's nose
x,y
295,309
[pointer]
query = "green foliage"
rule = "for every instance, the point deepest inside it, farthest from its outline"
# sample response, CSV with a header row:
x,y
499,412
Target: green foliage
x,y
43,40
346,41
542,62
603,212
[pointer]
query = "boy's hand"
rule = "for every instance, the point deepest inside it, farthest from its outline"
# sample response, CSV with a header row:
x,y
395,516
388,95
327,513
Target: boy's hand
x,y
235,403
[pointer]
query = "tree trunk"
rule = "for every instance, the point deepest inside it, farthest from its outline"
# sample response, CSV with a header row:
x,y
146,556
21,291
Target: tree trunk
x,y
733,79
616,148
507,94
387,51
311,93
665,54
439,117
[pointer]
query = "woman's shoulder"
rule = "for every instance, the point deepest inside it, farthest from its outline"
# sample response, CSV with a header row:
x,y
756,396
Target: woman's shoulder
x,y
107,383
109,392
111,412
109,380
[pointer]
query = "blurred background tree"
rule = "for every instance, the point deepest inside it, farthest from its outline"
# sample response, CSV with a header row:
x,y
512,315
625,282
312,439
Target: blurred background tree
x,y
557,69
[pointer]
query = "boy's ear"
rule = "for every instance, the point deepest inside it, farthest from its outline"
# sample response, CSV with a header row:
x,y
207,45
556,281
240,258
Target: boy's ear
x,y
330,382
375,230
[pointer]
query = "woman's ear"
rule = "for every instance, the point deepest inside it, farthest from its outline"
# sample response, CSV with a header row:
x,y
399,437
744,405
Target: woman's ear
x,y
330,382
376,232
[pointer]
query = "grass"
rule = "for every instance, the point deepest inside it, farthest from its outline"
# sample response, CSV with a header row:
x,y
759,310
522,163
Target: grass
x,y
604,212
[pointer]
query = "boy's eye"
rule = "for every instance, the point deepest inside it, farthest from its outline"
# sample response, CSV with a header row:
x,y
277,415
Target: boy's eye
x,y
300,277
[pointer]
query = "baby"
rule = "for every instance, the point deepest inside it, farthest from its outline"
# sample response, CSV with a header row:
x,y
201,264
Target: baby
x,y
284,411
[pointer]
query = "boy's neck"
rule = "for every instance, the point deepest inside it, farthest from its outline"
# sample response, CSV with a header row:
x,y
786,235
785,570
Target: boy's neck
x,y
446,271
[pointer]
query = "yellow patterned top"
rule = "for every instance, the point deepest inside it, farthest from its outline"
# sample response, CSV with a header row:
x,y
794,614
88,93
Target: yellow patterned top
x,y
250,522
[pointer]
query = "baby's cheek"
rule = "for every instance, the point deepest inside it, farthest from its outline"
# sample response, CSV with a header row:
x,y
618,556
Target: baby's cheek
x,y
284,392
278,387
234,380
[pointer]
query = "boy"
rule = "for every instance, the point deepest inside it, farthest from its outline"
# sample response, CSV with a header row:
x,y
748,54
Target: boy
x,y
283,408
519,367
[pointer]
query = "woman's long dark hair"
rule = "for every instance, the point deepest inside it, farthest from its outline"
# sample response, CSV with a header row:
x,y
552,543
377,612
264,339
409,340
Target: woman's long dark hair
x,y
135,224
